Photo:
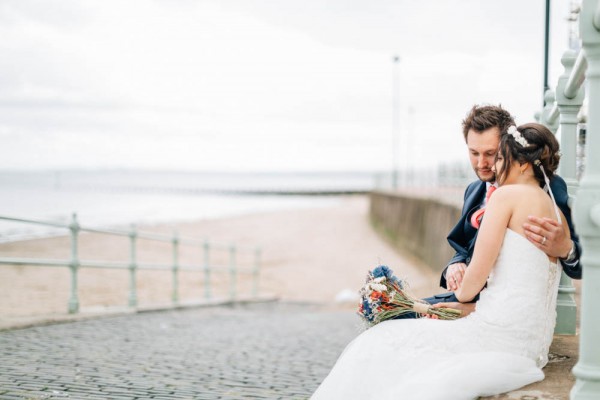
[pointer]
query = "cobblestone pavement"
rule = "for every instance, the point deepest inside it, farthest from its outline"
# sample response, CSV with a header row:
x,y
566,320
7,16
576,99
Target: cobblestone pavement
x,y
253,351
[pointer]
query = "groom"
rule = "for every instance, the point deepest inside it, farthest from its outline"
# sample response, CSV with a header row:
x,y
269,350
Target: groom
x,y
482,129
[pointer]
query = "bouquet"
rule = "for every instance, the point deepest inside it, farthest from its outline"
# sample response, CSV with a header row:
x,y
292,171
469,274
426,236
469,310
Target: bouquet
x,y
384,297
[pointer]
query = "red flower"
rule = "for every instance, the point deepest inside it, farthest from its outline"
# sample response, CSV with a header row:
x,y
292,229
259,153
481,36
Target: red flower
x,y
375,295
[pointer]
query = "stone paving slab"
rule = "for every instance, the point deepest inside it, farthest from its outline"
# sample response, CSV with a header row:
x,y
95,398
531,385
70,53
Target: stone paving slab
x,y
254,351
247,351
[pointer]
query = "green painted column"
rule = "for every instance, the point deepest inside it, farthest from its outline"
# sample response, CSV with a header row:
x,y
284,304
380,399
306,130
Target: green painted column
x,y
74,265
566,308
587,217
569,108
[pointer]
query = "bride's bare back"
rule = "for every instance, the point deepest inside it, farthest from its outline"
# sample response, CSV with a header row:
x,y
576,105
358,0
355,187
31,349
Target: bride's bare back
x,y
508,208
529,200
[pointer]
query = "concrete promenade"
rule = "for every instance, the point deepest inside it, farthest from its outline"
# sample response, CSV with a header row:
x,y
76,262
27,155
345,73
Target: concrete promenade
x,y
266,350
271,350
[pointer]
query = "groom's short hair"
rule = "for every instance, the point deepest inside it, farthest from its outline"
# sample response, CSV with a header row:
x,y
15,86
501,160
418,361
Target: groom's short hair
x,y
485,117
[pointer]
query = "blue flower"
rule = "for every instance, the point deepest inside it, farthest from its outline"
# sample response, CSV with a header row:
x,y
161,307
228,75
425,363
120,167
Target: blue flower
x,y
382,270
366,310
385,271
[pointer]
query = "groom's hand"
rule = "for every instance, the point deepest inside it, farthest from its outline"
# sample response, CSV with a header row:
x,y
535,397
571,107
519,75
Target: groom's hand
x,y
557,242
454,275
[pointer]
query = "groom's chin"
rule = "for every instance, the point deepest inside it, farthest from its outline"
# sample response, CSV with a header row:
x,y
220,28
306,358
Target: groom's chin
x,y
486,177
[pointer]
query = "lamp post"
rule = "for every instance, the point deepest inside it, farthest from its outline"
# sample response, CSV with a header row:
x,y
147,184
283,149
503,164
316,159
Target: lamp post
x,y
395,120
546,48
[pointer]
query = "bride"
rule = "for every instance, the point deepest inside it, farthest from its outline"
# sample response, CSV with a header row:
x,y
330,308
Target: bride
x,y
504,343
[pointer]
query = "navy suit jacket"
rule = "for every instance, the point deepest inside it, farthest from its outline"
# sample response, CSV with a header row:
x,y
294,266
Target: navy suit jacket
x,y
462,237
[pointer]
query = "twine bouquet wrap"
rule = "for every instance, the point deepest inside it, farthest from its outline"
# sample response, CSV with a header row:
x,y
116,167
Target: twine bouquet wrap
x,y
384,297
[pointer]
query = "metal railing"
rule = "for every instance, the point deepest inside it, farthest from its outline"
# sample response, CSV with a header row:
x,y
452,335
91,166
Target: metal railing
x,y
204,266
582,71
562,112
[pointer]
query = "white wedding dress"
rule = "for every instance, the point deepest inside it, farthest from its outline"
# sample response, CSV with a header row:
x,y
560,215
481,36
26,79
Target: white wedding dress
x,y
500,347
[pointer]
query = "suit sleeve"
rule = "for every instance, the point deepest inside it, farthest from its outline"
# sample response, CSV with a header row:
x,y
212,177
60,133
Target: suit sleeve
x,y
559,189
459,257
455,237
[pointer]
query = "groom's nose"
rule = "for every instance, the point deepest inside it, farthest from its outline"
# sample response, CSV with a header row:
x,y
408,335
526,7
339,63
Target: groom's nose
x,y
483,162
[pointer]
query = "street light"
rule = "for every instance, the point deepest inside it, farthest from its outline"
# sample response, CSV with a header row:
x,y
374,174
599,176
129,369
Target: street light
x,y
395,120
546,48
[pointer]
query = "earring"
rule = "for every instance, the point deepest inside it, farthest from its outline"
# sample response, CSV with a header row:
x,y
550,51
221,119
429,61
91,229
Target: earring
x,y
521,172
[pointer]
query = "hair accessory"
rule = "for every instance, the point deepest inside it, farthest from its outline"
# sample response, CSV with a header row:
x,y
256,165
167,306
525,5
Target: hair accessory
x,y
512,130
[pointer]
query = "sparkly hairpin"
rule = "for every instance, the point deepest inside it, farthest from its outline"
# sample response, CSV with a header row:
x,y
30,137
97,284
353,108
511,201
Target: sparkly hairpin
x,y
512,130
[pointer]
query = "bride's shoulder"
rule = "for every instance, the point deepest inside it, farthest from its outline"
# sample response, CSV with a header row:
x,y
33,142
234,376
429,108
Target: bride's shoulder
x,y
516,191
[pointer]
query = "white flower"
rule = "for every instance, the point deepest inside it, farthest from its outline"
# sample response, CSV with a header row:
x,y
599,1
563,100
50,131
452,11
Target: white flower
x,y
377,287
379,280
512,130
521,140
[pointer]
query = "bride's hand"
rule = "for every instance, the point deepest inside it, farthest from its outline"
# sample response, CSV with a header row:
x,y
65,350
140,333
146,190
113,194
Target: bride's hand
x,y
465,308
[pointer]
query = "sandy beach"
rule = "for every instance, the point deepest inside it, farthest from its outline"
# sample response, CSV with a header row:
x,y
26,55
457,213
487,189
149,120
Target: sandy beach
x,y
308,255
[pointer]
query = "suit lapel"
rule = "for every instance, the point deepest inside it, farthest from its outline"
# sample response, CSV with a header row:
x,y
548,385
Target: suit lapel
x,y
475,197
473,203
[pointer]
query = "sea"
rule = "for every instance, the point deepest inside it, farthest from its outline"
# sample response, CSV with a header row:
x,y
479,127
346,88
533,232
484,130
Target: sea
x,y
120,198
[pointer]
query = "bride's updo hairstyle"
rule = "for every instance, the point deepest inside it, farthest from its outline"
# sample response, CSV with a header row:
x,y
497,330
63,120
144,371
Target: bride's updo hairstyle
x,y
527,144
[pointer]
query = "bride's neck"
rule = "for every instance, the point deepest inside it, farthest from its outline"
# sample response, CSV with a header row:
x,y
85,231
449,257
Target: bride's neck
x,y
522,179
527,179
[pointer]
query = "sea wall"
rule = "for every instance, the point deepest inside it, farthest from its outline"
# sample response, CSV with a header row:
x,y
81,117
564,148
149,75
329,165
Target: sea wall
x,y
415,224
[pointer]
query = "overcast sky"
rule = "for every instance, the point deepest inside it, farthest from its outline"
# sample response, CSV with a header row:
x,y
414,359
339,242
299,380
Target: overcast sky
x,y
260,84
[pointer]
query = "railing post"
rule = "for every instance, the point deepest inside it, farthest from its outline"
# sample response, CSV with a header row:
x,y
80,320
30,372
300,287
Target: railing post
x,y
566,308
132,267
232,273
207,294
256,272
546,117
74,265
569,108
175,241
587,218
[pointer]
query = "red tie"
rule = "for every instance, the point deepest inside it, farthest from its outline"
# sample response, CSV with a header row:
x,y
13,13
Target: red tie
x,y
478,215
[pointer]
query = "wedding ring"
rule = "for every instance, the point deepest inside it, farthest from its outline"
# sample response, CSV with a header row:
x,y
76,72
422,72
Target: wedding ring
x,y
543,240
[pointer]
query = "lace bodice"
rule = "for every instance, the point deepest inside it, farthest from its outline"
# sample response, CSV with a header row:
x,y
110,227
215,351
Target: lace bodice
x,y
518,307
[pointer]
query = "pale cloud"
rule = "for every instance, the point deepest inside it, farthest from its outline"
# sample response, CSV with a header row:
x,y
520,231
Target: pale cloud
x,y
257,84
